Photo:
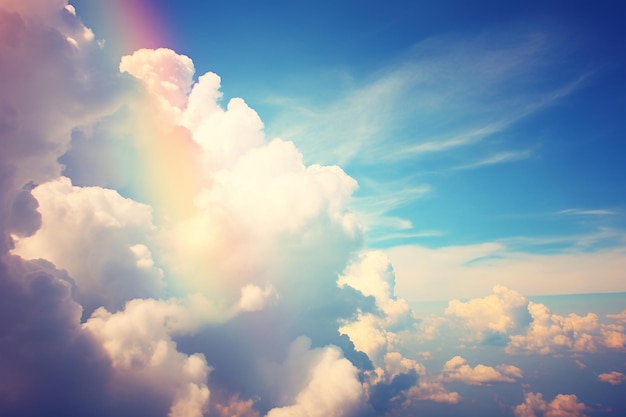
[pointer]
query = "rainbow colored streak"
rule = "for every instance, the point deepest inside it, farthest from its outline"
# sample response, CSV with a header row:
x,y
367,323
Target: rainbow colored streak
x,y
132,24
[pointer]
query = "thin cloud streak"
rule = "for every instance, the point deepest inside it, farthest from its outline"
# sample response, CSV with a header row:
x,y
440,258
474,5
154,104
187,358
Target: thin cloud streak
x,y
439,99
499,158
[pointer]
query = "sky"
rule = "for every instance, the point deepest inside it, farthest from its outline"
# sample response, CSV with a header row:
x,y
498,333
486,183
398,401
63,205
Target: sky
x,y
307,209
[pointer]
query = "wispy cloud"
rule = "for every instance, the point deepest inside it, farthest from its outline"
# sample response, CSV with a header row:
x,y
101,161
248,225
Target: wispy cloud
x,y
447,94
589,212
499,158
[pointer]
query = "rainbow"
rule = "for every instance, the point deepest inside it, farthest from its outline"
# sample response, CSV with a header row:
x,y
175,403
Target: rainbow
x,y
128,25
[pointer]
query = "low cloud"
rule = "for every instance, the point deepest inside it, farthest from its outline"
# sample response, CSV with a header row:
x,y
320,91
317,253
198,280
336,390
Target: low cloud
x,y
613,378
563,405
446,273
457,369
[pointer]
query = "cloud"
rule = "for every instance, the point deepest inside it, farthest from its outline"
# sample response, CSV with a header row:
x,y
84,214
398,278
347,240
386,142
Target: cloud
x,y
446,94
502,313
254,298
551,333
457,369
595,212
166,75
160,256
509,319
427,274
613,378
430,390
499,158
38,109
563,405
321,383
139,342
108,271
374,332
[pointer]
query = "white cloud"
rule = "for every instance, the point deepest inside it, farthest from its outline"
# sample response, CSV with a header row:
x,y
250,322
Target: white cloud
x,y
503,312
424,274
563,405
594,212
498,158
551,333
317,383
166,75
100,238
255,298
430,389
457,369
372,275
446,94
139,342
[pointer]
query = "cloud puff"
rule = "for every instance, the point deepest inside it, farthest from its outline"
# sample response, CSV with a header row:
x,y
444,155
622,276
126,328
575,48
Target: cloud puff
x,y
429,389
552,333
613,378
99,238
321,383
508,318
38,109
139,342
563,405
503,312
374,332
166,75
457,369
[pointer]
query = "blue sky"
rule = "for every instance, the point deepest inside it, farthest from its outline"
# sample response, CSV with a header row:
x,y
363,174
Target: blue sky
x,y
463,124
345,209
525,102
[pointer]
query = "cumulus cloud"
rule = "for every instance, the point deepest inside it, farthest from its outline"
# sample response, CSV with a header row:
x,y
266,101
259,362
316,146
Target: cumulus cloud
x,y
457,369
563,405
613,378
498,314
108,270
374,332
140,345
321,383
430,389
552,333
507,318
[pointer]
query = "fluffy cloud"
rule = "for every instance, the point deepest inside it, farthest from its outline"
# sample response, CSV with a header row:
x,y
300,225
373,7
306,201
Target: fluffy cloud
x,y
166,75
139,342
457,369
430,389
613,378
99,238
563,405
508,318
552,333
321,383
38,109
503,312
373,332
